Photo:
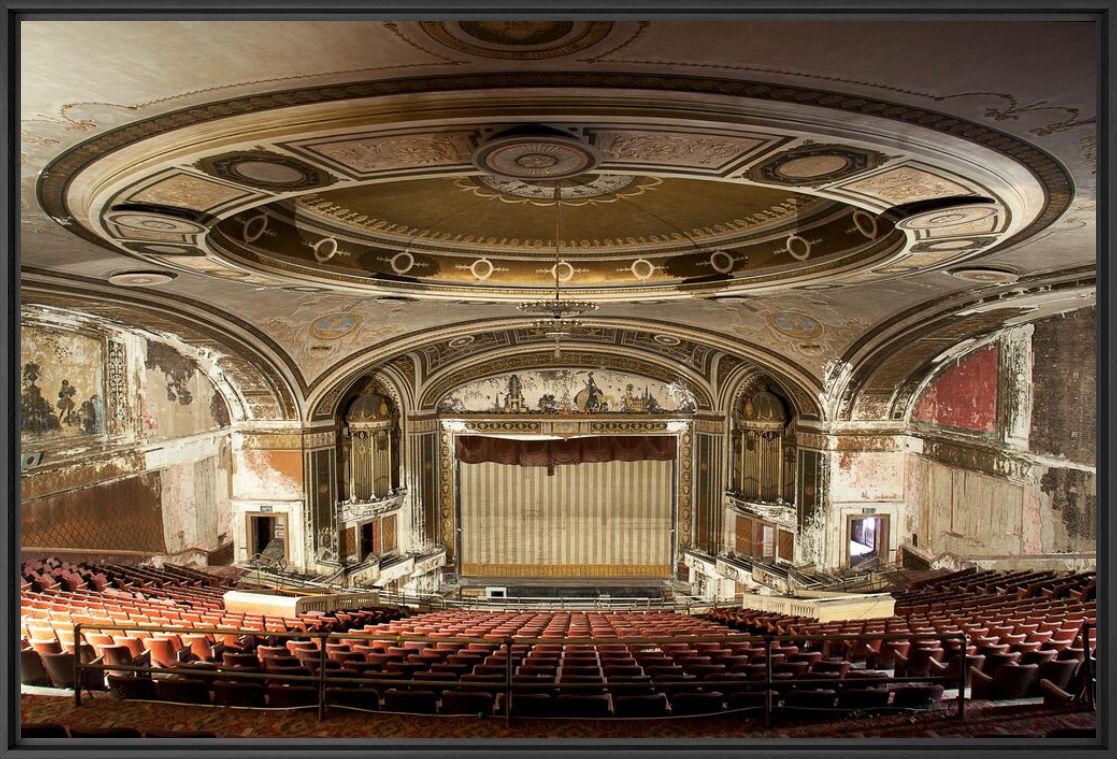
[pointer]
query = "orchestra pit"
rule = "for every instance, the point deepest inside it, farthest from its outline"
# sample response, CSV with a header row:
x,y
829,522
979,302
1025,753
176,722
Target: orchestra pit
x,y
557,379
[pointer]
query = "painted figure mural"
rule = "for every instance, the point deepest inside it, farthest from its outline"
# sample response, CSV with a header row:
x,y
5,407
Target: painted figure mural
x,y
568,391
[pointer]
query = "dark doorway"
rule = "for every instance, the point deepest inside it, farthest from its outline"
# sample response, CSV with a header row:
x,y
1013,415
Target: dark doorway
x,y
368,539
262,530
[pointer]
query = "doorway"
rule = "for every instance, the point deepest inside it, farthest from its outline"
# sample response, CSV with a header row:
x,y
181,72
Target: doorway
x,y
266,531
368,540
868,540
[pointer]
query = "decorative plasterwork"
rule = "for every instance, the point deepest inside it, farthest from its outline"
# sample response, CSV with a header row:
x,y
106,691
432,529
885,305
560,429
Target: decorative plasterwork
x,y
940,156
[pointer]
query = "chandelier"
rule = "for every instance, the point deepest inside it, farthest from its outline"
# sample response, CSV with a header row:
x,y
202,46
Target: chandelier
x,y
559,324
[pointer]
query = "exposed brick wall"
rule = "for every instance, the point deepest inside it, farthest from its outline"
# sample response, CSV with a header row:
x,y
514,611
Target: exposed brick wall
x,y
1064,372
964,396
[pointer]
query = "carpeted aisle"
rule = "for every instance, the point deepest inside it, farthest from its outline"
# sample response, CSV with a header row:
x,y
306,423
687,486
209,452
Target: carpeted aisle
x,y
105,711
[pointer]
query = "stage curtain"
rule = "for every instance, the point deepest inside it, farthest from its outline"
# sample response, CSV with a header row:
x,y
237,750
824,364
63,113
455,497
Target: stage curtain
x,y
479,449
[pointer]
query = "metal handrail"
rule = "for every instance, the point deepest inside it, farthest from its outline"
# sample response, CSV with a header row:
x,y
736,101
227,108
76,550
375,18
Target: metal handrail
x,y
506,643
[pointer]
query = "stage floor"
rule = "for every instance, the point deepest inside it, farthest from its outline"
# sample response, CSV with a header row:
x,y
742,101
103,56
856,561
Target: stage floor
x,y
520,588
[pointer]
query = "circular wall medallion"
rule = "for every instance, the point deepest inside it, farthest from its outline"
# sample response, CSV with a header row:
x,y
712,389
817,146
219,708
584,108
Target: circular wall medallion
x,y
795,324
809,167
402,263
254,227
482,268
531,40
642,268
543,156
141,278
333,326
565,271
227,273
461,342
866,224
984,274
722,262
153,223
306,289
268,172
666,340
948,217
798,247
325,249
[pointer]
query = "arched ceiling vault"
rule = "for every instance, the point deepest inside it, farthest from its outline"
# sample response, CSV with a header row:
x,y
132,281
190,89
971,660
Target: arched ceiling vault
x,y
267,388
883,370
810,200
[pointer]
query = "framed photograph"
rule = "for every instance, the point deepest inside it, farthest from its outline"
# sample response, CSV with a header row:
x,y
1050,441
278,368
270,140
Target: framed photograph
x,y
715,379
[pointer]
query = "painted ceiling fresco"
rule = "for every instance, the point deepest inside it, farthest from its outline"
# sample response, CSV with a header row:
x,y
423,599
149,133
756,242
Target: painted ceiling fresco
x,y
569,391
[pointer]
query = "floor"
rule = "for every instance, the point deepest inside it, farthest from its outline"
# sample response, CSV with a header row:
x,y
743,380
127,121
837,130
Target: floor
x,y
983,719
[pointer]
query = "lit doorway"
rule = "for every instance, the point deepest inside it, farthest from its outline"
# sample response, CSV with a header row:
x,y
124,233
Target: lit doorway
x,y
868,540
267,531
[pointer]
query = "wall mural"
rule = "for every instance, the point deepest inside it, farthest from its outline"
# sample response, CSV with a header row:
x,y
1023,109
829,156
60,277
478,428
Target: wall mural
x,y
176,397
569,391
62,385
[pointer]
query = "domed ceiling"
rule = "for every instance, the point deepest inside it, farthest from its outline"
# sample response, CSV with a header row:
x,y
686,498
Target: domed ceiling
x,y
800,195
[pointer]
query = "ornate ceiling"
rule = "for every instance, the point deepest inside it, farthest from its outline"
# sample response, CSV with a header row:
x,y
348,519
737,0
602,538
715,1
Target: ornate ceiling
x,y
737,197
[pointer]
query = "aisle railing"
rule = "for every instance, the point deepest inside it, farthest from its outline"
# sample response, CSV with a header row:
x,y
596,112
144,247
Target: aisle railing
x,y
323,679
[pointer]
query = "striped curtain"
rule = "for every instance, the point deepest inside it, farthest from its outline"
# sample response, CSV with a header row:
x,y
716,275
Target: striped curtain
x,y
610,520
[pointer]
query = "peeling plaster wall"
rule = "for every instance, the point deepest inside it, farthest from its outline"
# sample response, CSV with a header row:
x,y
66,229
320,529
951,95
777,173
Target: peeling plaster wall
x,y
863,482
1027,487
964,396
141,412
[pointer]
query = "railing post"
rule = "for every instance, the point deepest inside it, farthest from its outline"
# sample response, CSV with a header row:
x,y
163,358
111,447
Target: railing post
x,y
77,664
963,676
767,681
508,682
322,678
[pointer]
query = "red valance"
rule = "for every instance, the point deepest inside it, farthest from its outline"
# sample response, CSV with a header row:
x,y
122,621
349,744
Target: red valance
x,y
478,449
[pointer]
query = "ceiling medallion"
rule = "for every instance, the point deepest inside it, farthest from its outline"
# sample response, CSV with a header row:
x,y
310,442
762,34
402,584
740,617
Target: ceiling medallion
x,y
141,278
985,274
586,188
519,40
535,152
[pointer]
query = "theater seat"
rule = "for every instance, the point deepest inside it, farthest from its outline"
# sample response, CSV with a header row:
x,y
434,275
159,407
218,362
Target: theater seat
x,y
644,705
697,703
292,696
411,701
917,696
183,690
531,704
31,671
1008,682
232,693
353,698
132,688
570,705
467,702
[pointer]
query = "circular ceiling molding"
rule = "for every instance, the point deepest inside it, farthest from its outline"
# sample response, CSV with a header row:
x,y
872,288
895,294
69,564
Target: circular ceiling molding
x,y
535,153
148,222
985,274
163,249
943,212
815,164
266,170
519,40
141,278
796,324
666,192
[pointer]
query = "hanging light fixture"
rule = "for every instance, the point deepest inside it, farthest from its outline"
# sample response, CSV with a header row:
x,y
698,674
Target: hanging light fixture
x,y
559,325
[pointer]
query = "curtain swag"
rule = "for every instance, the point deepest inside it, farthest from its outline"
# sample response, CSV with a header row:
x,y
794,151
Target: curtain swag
x,y
478,449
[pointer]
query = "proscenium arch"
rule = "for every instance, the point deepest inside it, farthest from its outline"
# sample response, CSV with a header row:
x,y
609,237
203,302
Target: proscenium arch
x,y
800,384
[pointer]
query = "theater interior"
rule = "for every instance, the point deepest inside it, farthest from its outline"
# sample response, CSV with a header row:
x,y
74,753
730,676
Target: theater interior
x,y
502,379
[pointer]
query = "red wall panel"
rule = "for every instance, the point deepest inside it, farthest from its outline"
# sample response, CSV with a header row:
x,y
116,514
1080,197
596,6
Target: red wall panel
x,y
964,396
